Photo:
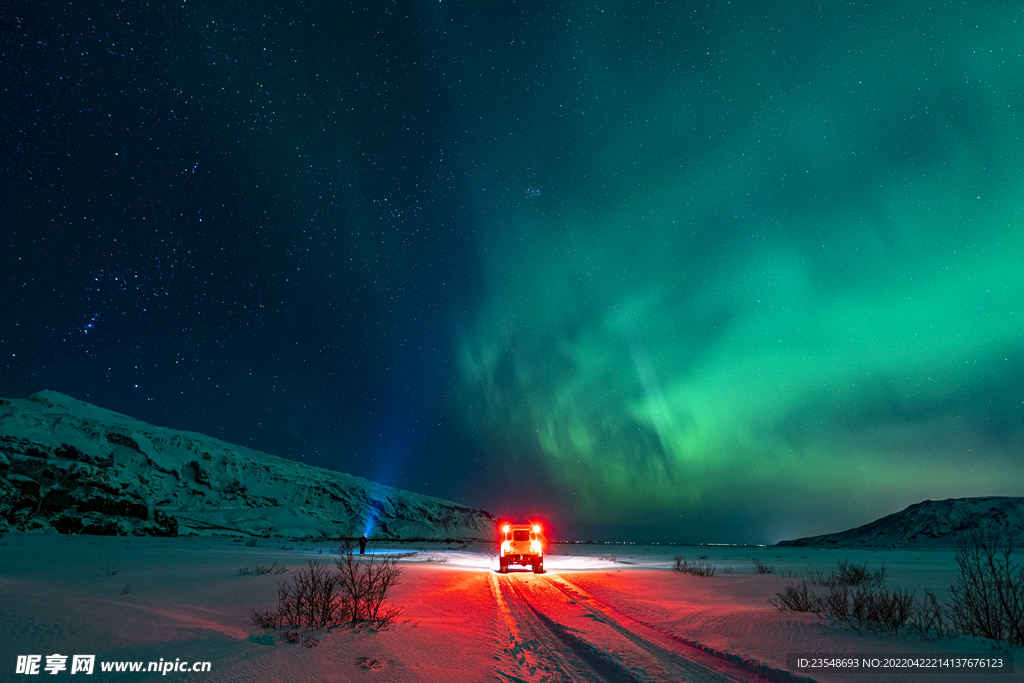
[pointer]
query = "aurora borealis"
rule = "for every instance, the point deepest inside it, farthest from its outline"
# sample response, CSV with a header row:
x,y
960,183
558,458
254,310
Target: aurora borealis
x,y
728,272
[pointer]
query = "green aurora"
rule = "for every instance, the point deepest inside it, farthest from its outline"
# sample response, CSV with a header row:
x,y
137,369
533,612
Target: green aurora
x,y
758,267
726,271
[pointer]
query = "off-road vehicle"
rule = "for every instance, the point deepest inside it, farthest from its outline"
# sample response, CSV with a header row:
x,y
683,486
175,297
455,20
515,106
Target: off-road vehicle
x,y
522,544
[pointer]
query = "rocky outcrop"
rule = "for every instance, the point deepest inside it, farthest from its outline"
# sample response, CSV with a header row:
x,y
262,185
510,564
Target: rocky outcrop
x,y
932,524
72,467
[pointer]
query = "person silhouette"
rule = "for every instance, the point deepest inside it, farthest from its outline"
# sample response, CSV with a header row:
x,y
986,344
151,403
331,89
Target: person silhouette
x,y
362,545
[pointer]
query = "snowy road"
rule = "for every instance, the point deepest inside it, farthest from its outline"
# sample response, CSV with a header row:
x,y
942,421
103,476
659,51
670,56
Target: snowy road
x,y
557,632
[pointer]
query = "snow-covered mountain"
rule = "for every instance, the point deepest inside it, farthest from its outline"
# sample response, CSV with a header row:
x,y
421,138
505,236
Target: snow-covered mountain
x,y
77,468
932,524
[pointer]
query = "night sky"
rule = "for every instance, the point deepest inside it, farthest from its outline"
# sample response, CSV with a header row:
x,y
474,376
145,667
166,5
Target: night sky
x,y
673,271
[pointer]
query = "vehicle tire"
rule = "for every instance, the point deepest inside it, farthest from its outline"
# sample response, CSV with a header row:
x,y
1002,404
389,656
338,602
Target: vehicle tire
x,y
504,567
538,567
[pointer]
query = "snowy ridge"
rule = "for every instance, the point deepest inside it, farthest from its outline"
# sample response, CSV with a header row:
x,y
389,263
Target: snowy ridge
x,y
932,524
77,468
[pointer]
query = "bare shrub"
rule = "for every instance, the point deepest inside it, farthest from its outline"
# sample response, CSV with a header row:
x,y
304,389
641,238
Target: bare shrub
x,y
835,602
852,574
701,569
697,568
364,586
872,609
318,598
798,598
265,618
988,598
881,610
763,567
289,637
309,640
262,569
930,618
849,573
311,599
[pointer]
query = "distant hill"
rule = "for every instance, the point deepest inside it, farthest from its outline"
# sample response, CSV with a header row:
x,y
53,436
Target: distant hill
x,y
74,467
931,524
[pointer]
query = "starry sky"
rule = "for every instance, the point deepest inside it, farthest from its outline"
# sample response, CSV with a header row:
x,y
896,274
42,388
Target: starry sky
x,y
671,271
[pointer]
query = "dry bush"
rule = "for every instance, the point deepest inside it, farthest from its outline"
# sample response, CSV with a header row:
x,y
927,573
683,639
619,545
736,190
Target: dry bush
x,y
311,599
318,598
364,586
684,566
835,602
797,598
265,618
863,607
852,574
763,567
930,619
988,598
881,610
849,573
262,569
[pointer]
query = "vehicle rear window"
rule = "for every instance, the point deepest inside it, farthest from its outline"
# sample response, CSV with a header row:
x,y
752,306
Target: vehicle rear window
x,y
520,535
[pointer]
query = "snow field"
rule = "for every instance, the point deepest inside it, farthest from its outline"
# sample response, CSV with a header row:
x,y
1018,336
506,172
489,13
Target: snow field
x,y
187,600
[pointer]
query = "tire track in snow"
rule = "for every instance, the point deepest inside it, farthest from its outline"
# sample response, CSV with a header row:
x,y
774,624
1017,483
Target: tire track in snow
x,y
580,642
537,654
676,648
620,654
